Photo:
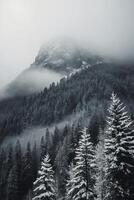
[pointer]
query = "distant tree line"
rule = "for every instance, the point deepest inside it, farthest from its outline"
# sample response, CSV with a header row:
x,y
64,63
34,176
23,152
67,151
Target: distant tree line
x,y
86,91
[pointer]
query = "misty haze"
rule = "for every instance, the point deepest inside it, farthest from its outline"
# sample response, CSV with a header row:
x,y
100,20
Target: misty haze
x,y
66,100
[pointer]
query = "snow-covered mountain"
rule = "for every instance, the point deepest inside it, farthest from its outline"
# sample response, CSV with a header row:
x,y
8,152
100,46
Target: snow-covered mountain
x,y
64,56
55,60
52,120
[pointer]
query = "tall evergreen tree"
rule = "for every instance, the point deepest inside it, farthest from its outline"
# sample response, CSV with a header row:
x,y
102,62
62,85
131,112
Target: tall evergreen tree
x,y
62,162
42,148
2,158
100,168
18,154
70,182
12,184
48,141
82,184
18,165
34,160
27,170
119,146
44,186
55,141
9,162
3,174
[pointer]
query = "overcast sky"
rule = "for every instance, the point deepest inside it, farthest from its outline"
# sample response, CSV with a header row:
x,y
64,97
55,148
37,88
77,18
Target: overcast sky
x,y
107,26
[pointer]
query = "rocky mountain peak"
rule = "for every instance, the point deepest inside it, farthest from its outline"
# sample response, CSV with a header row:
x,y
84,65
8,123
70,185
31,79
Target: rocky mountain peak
x,y
63,55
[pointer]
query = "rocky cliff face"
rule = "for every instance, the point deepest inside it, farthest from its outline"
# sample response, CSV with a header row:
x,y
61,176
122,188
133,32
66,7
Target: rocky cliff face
x,y
63,56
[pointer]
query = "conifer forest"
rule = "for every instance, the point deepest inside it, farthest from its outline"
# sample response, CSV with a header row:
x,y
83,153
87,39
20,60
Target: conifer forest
x,y
67,120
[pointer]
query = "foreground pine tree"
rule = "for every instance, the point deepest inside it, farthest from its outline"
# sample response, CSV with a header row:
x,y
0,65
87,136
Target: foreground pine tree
x,y
70,183
44,186
119,151
100,168
80,185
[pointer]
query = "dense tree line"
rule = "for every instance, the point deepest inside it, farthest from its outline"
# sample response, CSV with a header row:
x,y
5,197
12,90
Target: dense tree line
x,y
78,168
88,90
17,172
19,165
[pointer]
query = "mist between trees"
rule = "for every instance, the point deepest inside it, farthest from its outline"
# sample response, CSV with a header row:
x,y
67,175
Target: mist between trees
x,y
97,170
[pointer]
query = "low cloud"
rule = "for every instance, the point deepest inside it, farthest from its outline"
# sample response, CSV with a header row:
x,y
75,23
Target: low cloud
x,y
30,81
34,134
105,26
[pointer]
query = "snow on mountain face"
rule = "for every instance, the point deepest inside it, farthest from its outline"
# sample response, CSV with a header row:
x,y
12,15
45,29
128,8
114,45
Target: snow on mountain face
x,y
55,60
63,56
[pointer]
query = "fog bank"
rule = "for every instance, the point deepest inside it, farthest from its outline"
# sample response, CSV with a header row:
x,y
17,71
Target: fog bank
x,y
105,26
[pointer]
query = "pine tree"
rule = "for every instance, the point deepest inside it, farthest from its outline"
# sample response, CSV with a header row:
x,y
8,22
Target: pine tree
x,y
12,184
70,182
34,160
100,168
2,162
18,155
18,165
9,162
81,186
62,162
42,148
3,174
74,139
55,141
27,170
48,140
44,186
119,146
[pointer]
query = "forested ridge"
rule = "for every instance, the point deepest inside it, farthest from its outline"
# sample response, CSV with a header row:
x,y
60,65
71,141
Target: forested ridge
x,y
89,91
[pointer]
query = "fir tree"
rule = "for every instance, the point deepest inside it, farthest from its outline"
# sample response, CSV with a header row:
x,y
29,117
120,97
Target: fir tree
x,y
55,141
44,186
34,160
81,186
100,168
119,146
9,162
48,141
42,148
27,170
18,155
62,160
12,184
18,163
70,182
2,159
3,174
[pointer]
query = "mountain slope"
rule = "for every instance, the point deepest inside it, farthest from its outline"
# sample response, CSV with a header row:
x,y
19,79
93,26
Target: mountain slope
x,y
40,121
63,56
54,61
31,81
87,90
